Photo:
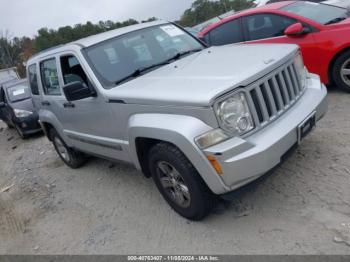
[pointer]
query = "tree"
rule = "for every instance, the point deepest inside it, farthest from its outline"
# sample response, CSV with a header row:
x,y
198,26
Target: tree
x,y
203,10
49,38
15,51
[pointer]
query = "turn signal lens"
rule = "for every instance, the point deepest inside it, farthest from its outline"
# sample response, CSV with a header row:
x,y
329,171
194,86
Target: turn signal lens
x,y
215,163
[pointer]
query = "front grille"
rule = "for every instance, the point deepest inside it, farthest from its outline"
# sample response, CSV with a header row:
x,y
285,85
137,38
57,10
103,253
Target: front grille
x,y
271,96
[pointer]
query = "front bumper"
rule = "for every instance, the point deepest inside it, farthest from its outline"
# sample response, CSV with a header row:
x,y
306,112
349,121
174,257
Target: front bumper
x,y
28,125
245,159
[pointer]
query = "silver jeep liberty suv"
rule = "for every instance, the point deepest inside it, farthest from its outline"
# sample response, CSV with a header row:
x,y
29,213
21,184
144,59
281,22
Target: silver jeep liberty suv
x,y
200,121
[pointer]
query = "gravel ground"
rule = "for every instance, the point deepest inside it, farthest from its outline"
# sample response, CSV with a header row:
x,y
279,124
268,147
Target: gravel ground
x,y
301,207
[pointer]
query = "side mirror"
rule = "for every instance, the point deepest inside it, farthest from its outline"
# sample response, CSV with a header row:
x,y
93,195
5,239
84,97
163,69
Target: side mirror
x,y
77,90
2,104
296,29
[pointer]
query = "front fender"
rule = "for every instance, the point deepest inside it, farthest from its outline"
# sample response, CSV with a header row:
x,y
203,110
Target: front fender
x,y
179,130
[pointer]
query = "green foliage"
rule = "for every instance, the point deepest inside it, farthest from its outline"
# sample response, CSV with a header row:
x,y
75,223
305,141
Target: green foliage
x,y
48,38
14,52
203,10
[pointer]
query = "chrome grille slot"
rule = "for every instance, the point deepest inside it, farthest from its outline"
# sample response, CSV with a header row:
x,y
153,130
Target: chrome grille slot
x,y
274,94
257,105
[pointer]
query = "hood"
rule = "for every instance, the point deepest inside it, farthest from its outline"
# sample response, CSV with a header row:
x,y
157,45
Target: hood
x,y
24,105
198,79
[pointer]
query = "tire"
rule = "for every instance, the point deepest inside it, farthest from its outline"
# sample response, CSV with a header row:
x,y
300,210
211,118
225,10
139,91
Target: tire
x,y
69,156
174,175
341,71
9,126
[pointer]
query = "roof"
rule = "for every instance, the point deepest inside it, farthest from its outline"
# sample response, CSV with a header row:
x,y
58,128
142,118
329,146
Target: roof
x,y
8,69
94,39
14,83
8,74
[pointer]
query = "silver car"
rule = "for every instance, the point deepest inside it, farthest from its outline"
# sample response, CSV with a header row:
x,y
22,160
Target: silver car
x,y
200,121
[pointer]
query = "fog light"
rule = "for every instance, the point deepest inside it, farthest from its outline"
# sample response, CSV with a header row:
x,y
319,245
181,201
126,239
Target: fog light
x,y
24,125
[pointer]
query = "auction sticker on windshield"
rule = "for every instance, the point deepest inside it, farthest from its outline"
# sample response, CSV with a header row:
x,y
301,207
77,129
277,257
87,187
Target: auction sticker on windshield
x,y
172,30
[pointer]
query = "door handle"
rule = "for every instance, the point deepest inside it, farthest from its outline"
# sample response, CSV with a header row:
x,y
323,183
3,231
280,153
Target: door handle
x,y
45,103
68,104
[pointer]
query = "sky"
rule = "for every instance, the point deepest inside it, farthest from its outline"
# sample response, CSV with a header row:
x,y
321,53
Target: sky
x,y
25,17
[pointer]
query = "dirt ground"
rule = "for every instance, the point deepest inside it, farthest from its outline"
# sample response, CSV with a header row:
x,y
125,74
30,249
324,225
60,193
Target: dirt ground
x,y
302,207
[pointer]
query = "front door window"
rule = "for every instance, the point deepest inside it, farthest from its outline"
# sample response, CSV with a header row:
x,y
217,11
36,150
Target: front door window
x,y
263,26
49,77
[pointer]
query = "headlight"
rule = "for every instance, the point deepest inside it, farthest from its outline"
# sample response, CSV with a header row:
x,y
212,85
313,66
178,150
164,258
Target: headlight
x,y
301,69
234,114
22,113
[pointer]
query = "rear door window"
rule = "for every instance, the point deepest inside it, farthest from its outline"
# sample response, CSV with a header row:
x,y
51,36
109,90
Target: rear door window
x,y
227,33
49,77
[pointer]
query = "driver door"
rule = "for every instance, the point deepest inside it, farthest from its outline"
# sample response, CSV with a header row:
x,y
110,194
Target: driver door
x,y
89,122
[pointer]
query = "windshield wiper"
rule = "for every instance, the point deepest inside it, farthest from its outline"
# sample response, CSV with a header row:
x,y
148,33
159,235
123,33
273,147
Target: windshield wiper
x,y
181,54
335,20
20,100
141,70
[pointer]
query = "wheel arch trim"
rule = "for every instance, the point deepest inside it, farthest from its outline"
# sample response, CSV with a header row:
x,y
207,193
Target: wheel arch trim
x,y
180,131
332,62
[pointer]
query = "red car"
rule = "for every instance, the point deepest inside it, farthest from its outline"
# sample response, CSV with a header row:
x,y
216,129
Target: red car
x,y
322,32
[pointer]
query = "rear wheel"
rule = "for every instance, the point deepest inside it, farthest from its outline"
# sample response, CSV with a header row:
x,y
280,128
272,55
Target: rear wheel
x,y
69,156
179,182
341,71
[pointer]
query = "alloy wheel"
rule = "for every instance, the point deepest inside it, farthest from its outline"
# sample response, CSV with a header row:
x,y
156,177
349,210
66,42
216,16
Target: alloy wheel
x,y
345,72
173,184
61,149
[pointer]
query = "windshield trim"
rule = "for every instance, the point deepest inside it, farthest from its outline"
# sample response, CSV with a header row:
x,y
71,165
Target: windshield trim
x,y
88,60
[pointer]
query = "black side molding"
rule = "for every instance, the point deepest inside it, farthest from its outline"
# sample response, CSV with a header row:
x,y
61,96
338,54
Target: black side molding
x,y
116,101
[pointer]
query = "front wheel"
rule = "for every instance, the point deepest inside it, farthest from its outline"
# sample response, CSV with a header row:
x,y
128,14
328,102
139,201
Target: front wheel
x,y
69,156
179,182
341,71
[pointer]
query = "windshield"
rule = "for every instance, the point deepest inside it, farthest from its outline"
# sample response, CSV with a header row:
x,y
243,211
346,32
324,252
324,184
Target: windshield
x,y
323,14
18,93
115,60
